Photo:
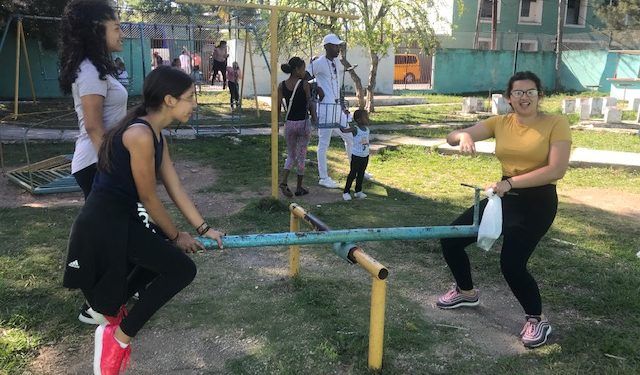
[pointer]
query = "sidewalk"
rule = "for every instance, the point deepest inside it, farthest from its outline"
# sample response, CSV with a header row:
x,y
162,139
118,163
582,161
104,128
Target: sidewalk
x,y
580,157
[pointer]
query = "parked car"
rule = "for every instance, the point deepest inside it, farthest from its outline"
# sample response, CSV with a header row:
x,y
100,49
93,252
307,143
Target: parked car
x,y
406,68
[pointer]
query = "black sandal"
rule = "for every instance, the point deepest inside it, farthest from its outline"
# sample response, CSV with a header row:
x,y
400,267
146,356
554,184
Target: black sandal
x,y
284,188
302,191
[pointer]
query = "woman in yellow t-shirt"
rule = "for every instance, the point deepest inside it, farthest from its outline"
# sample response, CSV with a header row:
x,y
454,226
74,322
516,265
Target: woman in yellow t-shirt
x,y
533,149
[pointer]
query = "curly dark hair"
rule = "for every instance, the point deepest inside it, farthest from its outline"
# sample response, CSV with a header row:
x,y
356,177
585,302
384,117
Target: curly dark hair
x,y
84,36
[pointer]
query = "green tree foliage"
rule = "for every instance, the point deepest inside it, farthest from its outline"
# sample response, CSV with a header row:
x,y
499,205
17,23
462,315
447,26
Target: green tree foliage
x,y
45,31
381,25
619,14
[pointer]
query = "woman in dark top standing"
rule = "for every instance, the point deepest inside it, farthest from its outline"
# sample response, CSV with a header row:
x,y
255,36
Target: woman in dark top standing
x,y
297,94
108,234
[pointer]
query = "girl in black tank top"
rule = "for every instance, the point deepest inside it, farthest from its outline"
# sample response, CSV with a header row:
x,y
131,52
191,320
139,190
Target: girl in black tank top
x,y
106,237
296,93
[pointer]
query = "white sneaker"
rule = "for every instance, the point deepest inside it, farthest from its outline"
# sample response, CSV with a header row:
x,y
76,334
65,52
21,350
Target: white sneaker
x,y
90,316
346,196
360,195
368,176
328,183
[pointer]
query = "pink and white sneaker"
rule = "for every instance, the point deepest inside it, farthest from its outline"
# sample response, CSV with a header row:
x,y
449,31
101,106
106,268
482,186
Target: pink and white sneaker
x,y
109,357
454,299
535,332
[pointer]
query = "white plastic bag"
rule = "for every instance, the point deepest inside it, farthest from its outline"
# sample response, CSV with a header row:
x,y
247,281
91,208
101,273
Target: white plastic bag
x,y
491,222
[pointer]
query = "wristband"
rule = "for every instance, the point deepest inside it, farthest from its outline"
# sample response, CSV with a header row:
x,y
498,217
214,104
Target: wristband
x,y
202,230
509,182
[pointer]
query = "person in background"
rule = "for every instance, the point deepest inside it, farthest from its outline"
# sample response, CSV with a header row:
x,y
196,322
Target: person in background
x,y
121,72
359,154
219,62
327,72
185,61
234,74
296,93
156,60
175,63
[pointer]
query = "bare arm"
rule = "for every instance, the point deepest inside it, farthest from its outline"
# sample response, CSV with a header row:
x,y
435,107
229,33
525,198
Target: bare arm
x,y
92,108
176,191
280,104
348,129
467,137
310,103
558,162
138,141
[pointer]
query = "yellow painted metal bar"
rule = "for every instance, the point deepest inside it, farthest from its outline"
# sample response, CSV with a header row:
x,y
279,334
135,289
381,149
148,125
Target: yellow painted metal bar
x,y
17,82
273,30
26,60
294,250
376,323
244,65
297,211
375,268
235,4
253,77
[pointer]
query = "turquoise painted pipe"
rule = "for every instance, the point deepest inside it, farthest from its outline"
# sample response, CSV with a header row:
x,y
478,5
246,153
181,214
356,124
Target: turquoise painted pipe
x,y
342,236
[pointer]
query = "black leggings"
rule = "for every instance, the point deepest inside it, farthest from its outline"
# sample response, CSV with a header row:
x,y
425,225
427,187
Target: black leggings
x,y
174,270
358,166
233,90
526,218
219,66
84,178
165,268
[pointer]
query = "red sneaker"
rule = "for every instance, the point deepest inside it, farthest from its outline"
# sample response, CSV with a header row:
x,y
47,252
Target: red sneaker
x,y
109,358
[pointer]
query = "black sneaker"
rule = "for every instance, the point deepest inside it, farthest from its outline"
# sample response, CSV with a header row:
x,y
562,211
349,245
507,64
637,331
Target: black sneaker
x,y
89,316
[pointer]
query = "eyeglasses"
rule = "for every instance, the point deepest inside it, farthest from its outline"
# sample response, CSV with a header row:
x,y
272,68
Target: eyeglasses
x,y
532,93
335,71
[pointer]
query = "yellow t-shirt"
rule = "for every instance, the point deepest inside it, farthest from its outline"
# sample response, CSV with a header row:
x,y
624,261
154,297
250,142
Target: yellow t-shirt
x,y
524,148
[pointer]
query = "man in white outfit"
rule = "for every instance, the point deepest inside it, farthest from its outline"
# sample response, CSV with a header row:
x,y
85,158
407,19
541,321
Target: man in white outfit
x,y
328,73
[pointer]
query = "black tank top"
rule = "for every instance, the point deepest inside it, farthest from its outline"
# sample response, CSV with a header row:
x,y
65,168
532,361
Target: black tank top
x,y
119,180
299,109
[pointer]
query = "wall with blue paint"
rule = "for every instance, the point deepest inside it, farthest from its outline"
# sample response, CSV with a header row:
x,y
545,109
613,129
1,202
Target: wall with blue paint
x,y
465,71
44,67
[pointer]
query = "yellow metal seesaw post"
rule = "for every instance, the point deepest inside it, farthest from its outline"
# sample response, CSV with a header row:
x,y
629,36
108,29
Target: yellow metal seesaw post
x,y
356,255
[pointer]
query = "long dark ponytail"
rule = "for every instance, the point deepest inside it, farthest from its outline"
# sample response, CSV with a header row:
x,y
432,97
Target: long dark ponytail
x,y
162,81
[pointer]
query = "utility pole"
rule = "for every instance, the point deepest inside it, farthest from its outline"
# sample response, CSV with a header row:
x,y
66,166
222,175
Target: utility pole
x,y
561,6
494,24
475,36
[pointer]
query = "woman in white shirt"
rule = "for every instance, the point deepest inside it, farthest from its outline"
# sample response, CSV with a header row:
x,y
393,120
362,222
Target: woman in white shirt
x,y
90,33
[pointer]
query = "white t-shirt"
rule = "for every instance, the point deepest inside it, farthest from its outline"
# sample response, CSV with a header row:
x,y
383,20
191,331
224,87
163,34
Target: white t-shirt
x,y
329,74
361,143
185,63
114,109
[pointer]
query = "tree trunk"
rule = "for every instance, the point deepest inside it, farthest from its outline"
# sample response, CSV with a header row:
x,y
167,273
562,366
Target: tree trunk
x,y
373,75
356,80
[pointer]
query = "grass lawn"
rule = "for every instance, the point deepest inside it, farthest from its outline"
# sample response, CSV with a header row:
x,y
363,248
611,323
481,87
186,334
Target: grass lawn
x,y
318,323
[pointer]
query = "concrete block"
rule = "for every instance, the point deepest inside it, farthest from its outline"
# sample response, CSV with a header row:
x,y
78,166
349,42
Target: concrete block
x,y
568,106
584,110
595,105
634,104
471,105
612,115
499,105
608,101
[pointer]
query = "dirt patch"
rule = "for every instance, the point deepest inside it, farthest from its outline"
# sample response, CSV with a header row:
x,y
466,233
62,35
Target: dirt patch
x,y
610,200
190,351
